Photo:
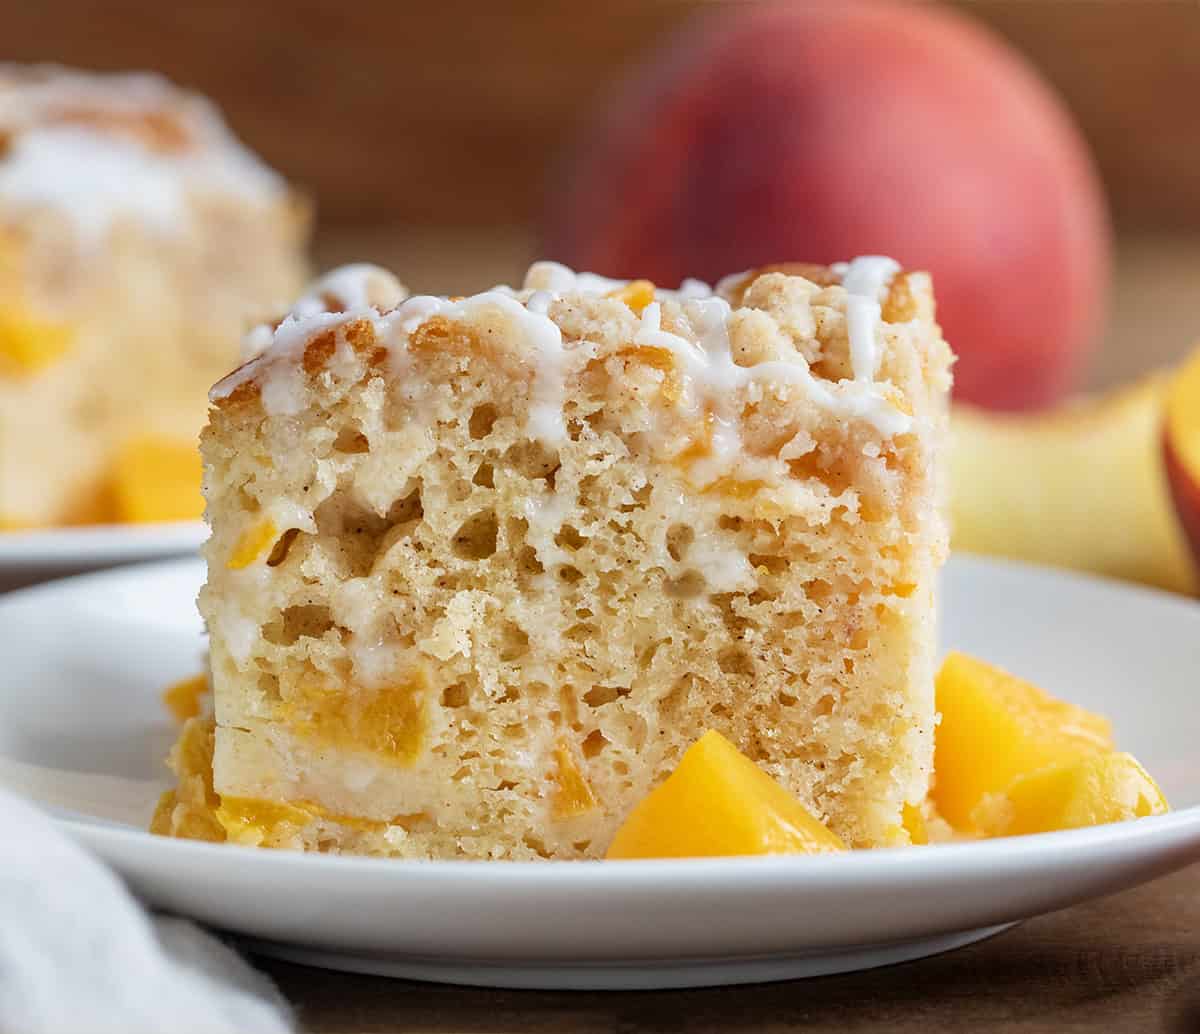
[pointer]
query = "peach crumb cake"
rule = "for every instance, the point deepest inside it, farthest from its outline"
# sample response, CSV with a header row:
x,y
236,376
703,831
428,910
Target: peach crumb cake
x,y
138,239
481,569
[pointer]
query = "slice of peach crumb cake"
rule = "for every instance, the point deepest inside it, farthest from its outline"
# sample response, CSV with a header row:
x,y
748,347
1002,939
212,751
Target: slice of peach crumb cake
x,y
483,568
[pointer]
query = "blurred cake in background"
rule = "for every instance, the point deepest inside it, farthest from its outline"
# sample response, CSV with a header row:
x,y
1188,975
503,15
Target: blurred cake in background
x,y
138,239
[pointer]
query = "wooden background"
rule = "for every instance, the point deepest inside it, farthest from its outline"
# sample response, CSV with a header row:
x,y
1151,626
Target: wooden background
x,y
451,112
428,131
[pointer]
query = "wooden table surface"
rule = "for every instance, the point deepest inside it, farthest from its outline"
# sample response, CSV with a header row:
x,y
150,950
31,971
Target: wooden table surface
x,y
1130,962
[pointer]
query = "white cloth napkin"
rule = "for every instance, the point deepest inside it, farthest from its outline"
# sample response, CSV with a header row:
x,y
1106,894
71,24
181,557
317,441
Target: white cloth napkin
x,y
79,956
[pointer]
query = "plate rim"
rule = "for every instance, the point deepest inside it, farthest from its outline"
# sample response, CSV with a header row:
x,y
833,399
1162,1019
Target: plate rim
x,y
835,869
66,545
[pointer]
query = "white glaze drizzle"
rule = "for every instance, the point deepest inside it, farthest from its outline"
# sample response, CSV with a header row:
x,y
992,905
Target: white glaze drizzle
x,y
545,516
864,280
712,367
288,342
710,374
536,327
257,340
725,568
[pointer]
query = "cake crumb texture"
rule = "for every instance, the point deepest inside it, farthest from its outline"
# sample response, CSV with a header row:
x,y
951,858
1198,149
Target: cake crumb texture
x,y
481,570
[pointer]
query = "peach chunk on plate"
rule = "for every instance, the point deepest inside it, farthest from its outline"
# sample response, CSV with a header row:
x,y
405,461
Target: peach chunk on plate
x,y
1011,759
185,699
718,802
1089,791
1033,486
1181,449
996,727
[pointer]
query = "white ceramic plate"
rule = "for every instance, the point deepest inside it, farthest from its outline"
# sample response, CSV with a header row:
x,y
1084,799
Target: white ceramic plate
x,y
83,732
43,553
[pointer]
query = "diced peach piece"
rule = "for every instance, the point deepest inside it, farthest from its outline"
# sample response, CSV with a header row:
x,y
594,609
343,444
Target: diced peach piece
x,y
1181,451
573,794
252,544
637,294
718,802
660,359
255,822
700,442
1089,791
249,821
390,722
29,344
183,698
189,811
157,479
996,727
912,819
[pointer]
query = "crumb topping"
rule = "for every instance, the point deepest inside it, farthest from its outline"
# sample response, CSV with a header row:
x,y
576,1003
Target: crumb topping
x,y
688,332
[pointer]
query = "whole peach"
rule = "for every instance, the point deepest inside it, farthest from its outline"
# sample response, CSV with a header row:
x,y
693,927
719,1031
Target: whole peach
x,y
818,131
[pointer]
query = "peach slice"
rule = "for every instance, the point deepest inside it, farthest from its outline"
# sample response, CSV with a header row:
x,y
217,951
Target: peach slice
x,y
157,479
996,727
1181,448
1082,487
573,794
718,802
1089,791
189,811
250,821
637,294
252,544
29,344
913,822
184,698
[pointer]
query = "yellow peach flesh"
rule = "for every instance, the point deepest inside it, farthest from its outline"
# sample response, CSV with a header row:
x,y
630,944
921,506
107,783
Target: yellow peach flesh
x,y
1181,449
28,344
183,698
252,544
1089,791
157,479
573,794
718,802
996,727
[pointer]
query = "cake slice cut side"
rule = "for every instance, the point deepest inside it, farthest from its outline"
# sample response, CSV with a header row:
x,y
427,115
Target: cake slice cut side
x,y
482,569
